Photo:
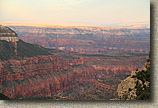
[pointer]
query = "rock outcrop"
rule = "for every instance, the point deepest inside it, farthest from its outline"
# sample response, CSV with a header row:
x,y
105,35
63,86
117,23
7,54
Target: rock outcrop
x,y
8,35
136,86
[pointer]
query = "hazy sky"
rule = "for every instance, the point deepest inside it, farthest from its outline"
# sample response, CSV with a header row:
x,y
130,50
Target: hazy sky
x,y
74,12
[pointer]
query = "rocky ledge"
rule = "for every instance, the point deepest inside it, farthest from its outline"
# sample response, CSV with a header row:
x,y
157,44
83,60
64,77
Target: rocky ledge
x,y
136,86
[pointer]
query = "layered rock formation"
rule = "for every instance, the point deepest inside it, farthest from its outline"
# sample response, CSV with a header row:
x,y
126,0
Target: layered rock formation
x,y
42,76
8,35
37,72
56,75
88,40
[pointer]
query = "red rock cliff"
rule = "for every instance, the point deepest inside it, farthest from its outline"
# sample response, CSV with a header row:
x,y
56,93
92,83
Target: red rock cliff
x,y
42,76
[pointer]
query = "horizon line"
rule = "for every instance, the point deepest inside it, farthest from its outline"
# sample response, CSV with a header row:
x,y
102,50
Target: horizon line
x,y
72,25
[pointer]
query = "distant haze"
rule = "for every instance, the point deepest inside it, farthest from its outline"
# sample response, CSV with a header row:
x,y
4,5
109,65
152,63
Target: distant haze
x,y
76,12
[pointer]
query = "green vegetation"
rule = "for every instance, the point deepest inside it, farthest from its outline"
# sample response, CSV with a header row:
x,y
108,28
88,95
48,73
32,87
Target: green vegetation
x,y
24,50
76,65
30,50
3,97
143,91
6,50
142,75
121,76
35,98
124,54
140,89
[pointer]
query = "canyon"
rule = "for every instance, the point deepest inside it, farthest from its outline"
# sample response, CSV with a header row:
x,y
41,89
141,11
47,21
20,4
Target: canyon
x,y
88,40
49,76
91,72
